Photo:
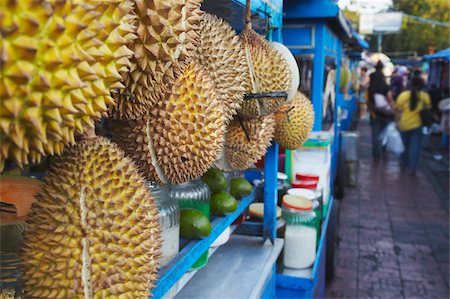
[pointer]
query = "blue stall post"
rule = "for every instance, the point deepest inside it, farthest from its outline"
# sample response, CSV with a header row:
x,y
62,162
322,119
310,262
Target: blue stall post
x,y
270,193
315,30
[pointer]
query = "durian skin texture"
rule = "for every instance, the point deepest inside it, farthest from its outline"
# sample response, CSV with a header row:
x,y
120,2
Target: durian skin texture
x,y
271,73
222,54
168,34
243,152
295,125
185,128
94,221
59,60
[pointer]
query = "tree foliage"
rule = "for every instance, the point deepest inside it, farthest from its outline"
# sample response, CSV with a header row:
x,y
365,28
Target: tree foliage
x,y
416,36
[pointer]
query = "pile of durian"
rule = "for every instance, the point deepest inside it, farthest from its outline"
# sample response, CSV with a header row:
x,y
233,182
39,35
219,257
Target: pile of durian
x,y
165,82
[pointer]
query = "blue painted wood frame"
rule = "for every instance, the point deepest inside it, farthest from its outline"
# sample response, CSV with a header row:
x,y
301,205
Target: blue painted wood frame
x,y
318,75
270,193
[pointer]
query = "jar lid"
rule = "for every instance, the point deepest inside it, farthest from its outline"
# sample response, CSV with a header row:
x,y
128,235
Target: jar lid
x,y
303,192
297,203
304,184
282,176
257,209
306,176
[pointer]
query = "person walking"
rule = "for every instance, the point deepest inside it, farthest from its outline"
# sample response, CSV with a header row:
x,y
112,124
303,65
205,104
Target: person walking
x,y
381,107
409,104
363,85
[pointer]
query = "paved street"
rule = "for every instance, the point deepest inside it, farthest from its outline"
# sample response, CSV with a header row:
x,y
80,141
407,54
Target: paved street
x,y
395,234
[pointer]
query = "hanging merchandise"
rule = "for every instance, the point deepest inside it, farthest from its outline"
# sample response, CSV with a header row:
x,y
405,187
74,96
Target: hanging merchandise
x,y
193,194
269,72
182,136
169,220
222,54
94,230
59,61
167,35
247,141
294,125
293,67
301,236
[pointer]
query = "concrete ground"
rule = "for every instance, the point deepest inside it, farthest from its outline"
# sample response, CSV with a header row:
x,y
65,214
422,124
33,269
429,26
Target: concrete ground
x,y
394,231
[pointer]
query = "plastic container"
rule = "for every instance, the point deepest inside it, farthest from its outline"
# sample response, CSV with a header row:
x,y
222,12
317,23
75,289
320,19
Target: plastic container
x,y
311,184
307,176
315,198
300,238
169,219
193,194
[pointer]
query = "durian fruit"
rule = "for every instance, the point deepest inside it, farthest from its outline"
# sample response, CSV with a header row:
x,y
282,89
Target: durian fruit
x,y
295,123
246,142
269,72
93,232
222,54
58,61
168,33
182,136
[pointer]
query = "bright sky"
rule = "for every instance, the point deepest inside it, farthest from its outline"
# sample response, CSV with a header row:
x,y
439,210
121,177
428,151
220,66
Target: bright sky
x,y
365,6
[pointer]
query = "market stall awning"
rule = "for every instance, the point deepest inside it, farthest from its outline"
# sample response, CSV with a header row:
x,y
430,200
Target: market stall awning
x,y
443,54
361,41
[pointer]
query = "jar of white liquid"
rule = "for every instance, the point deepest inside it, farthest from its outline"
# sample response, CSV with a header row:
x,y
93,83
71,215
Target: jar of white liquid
x,y
301,234
169,219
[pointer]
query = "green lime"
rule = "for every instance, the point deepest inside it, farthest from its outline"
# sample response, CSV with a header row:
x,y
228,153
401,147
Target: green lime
x,y
193,224
223,203
240,187
215,180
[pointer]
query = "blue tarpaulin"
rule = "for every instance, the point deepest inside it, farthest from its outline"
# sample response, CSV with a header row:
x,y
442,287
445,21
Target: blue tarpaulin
x,y
443,54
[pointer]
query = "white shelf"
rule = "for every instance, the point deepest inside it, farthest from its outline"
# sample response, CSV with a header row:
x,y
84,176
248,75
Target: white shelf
x,y
243,258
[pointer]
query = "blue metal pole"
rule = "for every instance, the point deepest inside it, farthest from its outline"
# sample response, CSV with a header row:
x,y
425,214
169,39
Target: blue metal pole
x,y
270,193
318,75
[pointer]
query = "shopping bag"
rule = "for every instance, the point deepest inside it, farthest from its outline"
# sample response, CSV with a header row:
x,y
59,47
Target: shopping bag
x,y
390,137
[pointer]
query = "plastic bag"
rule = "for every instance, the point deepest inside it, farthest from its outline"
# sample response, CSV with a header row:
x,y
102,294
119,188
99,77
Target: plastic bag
x,y
390,137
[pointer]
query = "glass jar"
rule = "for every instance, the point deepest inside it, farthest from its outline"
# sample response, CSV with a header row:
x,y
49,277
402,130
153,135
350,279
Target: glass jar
x,y
315,198
193,194
169,219
300,237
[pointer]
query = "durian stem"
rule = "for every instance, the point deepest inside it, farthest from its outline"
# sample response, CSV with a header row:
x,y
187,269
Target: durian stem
x,y
151,148
248,15
243,127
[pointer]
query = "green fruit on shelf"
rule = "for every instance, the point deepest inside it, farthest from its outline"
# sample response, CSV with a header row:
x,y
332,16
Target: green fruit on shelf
x,y
240,187
193,224
223,203
215,180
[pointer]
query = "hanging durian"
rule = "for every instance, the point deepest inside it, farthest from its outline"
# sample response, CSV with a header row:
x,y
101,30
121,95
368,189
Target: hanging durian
x,y
93,232
182,136
221,53
295,123
167,33
269,72
59,60
247,141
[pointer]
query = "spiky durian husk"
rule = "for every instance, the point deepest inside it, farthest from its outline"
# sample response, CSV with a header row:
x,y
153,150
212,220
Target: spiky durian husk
x,y
168,32
243,152
182,134
222,54
93,232
58,61
270,73
296,123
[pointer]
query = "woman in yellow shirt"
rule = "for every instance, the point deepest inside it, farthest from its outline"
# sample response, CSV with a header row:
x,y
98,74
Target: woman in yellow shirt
x,y
409,104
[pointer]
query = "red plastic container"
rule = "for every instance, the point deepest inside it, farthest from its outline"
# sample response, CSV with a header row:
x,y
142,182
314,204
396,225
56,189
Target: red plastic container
x,y
305,184
307,177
